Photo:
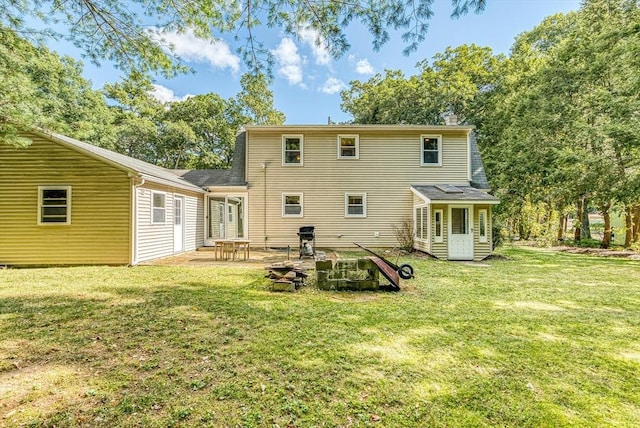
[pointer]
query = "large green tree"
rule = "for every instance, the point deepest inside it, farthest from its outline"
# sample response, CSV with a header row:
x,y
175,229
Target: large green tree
x,y
39,87
119,30
454,82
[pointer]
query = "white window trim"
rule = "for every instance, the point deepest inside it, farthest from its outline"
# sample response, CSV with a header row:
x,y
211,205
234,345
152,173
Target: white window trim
x,y
364,205
484,238
416,220
284,138
68,205
357,147
438,239
439,138
284,195
164,195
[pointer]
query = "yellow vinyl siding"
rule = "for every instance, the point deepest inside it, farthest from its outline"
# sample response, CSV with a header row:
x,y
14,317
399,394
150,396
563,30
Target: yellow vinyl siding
x,y
389,162
481,249
99,232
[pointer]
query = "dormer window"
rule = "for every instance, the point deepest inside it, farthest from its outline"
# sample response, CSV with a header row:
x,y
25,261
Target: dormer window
x,y
292,150
348,147
431,150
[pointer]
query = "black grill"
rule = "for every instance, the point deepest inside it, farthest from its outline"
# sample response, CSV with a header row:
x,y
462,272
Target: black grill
x,y
307,241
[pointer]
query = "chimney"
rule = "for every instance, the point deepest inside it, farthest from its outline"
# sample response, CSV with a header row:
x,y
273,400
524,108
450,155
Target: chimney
x,y
450,119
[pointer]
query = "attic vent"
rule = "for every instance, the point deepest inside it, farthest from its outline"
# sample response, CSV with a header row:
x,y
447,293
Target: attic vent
x,y
448,188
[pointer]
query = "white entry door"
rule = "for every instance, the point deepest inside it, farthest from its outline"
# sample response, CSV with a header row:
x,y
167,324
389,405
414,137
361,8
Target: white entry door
x,y
460,233
178,224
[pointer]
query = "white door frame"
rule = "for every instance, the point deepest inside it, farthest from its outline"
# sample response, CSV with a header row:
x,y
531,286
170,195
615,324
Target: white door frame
x,y
178,229
238,215
460,246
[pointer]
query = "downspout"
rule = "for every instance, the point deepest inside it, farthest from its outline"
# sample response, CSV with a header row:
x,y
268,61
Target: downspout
x,y
133,257
469,169
264,203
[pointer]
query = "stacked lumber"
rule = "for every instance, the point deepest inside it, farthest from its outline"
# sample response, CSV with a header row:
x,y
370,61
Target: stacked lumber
x,y
286,276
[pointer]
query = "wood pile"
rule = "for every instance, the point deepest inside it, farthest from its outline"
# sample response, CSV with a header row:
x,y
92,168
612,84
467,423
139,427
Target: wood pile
x,y
286,276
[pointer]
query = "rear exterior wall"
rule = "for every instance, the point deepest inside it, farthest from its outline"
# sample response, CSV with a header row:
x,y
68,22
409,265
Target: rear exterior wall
x,y
389,162
99,232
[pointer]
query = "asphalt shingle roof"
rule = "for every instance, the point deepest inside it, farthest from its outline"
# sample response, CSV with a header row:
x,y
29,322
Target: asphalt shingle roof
x,y
448,192
147,170
221,177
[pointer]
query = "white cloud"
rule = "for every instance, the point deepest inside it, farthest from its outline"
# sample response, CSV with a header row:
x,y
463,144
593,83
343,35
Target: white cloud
x,y
333,86
166,95
312,38
364,67
290,63
191,48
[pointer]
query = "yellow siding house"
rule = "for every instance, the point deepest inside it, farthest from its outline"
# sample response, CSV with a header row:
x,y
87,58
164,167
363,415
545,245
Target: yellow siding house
x,y
65,202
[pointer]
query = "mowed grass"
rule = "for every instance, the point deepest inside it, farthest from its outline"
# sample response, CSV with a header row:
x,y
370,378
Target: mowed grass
x,y
537,339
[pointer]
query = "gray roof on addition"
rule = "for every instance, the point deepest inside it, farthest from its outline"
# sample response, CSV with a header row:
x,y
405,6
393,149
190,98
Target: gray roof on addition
x,y
447,193
136,167
221,177
478,176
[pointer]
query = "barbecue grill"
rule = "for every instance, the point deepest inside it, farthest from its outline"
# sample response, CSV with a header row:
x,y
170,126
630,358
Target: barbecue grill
x,y
307,237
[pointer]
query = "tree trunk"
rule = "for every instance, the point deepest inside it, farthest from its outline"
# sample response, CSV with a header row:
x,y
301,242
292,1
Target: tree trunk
x,y
628,222
576,222
636,222
562,219
606,238
585,230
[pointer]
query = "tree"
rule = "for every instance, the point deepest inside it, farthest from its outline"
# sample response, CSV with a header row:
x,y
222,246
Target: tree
x,y
118,30
40,88
454,83
255,101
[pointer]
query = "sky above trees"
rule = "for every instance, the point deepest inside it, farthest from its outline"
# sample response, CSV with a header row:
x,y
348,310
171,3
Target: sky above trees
x,y
306,79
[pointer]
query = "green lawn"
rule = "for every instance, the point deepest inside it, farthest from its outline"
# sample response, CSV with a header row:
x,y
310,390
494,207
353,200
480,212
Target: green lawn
x,y
537,339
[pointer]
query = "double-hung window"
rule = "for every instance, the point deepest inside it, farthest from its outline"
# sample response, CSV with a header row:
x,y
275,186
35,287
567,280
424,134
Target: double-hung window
x,y
431,147
158,207
482,227
355,204
292,150
422,223
54,205
437,226
348,146
292,205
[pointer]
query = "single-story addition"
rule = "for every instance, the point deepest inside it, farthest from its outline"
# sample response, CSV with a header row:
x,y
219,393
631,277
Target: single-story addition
x,y
65,202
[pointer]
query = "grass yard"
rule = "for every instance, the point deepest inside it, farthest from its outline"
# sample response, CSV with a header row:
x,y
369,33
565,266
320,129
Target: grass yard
x,y
538,339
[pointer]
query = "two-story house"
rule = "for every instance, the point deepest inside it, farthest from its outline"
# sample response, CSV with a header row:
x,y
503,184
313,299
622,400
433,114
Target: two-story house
x,y
63,201
353,183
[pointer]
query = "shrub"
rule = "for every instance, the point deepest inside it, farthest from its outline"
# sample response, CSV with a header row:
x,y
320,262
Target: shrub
x,y
589,243
404,234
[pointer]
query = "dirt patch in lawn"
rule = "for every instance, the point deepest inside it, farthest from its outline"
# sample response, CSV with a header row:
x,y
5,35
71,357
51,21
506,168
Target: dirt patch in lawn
x,y
600,252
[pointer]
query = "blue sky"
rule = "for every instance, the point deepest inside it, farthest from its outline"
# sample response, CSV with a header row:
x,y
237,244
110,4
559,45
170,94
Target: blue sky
x,y
307,82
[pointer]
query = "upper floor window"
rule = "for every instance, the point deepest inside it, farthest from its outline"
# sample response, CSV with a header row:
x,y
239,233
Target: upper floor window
x,y
292,150
292,205
54,205
348,146
355,204
431,150
158,207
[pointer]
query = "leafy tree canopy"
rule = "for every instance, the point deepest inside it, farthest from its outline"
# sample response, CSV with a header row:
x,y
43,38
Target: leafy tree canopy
x,y
128,32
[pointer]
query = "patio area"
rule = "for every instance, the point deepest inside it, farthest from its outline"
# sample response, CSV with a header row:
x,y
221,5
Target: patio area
x,y
206,256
